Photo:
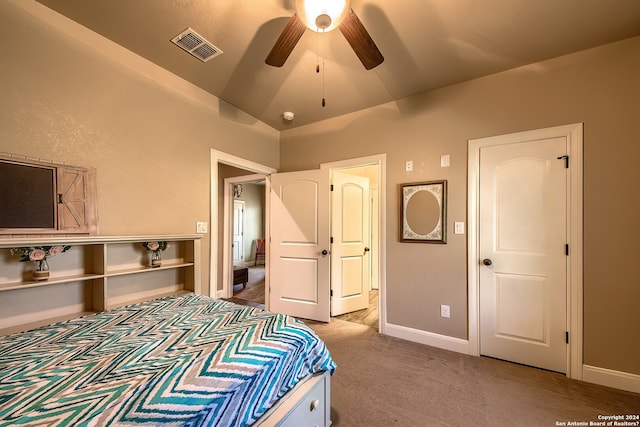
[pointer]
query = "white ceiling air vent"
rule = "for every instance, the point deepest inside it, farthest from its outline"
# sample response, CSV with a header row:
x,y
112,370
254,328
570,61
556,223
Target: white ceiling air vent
x,y
196,45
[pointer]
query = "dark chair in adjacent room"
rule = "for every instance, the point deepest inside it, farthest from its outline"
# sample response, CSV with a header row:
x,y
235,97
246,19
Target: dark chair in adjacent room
x,y
260,251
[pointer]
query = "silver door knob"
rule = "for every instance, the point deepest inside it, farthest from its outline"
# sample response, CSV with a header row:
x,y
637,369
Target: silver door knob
x,y
366,250
487,261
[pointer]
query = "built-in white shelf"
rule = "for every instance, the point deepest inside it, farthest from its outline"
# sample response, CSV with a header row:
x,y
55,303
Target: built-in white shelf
x,y
98,273
11,286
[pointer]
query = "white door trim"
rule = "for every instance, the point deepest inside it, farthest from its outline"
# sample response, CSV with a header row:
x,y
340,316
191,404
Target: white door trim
x,y
381,161
218,157
573,133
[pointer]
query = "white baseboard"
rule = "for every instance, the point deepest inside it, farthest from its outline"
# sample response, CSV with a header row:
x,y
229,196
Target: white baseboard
x,y
220,294
611,378
428,338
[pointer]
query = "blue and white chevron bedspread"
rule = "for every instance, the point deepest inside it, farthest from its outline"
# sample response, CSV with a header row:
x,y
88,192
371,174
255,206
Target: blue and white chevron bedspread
x,y
176,361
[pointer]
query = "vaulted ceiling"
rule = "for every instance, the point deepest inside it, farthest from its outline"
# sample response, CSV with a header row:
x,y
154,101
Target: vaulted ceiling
x,y
427,44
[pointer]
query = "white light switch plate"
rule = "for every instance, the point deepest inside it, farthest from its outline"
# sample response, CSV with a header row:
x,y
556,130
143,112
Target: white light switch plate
x,y
458,228
201,227
445,161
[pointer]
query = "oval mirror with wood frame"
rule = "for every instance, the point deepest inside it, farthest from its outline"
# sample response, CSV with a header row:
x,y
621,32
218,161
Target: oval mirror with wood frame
x,y
423,209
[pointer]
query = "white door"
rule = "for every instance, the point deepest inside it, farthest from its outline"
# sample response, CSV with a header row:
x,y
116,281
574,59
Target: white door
x,y
350,248
299,257
522,250
238,232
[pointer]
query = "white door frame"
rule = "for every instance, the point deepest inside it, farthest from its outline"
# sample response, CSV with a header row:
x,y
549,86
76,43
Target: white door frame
x,y
381,161
218,157
573,133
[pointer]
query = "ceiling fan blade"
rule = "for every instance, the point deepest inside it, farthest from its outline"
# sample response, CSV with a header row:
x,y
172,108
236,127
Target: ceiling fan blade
x,y
286,42
360,41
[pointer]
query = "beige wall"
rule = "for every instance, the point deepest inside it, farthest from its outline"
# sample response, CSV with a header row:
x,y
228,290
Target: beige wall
x,y
599,87
149,140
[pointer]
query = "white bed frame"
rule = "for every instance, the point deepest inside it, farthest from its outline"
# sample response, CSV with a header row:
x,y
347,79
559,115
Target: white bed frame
x,y
307,404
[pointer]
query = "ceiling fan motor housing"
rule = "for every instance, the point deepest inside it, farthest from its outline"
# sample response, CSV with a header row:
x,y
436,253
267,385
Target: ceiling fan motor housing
x,y
322,15
323,21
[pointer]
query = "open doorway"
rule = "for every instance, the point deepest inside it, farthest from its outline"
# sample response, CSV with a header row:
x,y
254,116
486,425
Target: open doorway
x,y
245,213
221,254
243,230
225,166
372,169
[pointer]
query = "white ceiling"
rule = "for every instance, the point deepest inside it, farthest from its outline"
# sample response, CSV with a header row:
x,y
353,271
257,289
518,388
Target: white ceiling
x,y
427,44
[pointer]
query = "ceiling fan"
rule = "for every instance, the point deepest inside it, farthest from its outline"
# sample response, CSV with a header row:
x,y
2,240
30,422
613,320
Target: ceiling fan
x,y
324,16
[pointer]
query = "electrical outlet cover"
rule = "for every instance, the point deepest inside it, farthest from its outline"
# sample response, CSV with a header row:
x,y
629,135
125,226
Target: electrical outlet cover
x,y
408,166
445,311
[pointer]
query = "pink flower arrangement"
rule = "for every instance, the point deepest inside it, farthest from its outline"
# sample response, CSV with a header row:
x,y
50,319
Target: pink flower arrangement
x,y
38,253
155,246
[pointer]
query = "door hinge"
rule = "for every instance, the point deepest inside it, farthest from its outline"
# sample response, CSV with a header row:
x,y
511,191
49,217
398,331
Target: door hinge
x,y
566,336
566,160
331,240
331,292
331,187
566,249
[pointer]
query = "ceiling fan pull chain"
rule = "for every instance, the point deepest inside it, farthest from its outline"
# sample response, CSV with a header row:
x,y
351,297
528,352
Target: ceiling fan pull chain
x,y
324,102
323,73
318,59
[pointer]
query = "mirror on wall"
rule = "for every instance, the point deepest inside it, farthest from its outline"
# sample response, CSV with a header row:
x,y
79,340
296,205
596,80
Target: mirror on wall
x,y
423,210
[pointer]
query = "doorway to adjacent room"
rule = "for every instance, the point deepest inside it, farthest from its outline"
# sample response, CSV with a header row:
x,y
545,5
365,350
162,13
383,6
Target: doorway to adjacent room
x,y
256,290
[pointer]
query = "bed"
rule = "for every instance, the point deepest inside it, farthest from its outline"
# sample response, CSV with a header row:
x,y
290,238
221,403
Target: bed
x,y
185,360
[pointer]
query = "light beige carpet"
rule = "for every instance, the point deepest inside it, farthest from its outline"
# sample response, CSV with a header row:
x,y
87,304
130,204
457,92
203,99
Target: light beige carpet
x,y
385,381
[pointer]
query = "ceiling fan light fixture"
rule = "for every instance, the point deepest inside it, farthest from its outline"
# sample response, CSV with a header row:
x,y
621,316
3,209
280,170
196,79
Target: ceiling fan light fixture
x,y
322,15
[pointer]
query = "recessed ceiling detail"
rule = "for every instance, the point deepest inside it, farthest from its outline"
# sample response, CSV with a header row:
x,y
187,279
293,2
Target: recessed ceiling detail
x,y
196,45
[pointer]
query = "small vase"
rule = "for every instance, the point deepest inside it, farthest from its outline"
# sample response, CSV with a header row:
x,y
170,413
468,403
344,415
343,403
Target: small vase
x,y
41,271
156,261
